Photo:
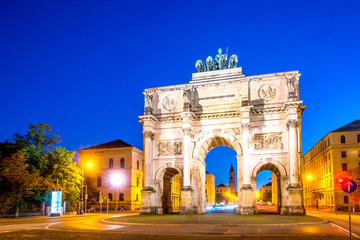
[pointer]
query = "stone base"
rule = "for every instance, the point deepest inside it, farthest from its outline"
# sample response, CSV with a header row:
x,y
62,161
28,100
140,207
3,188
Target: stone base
x,y
147,207
186,205
293,210
150,210
247,210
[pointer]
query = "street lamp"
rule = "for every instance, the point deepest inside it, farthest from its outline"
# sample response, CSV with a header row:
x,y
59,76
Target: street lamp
x,y
116,181
82,186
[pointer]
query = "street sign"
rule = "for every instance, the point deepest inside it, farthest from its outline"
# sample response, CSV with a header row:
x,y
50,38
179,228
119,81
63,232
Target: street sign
x,y
348,186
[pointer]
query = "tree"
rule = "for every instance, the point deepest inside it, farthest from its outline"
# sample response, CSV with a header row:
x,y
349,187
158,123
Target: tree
x,y
42,158
17,184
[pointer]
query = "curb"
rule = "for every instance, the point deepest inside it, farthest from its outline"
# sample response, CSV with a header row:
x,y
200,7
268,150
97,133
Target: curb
x,y
208,225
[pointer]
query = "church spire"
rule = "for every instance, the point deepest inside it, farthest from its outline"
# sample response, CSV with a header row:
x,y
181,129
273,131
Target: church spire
x,y
232,168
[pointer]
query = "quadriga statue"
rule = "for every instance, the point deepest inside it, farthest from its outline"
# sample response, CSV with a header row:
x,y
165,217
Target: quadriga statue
x,y
210,63
200,66
233,61
222,61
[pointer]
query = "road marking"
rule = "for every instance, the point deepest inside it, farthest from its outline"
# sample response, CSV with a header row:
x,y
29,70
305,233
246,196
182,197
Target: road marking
x,y
348,233
47,226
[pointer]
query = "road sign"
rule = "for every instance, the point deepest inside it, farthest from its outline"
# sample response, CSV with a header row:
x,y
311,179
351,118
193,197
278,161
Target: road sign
x,y
348,186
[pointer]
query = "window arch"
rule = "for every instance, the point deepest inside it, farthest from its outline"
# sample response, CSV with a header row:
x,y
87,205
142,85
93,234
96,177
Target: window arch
x,y
99,181
111,163
137,197
138,163
346,199
110,196
358,138
137,181
121,197
122,163
342,138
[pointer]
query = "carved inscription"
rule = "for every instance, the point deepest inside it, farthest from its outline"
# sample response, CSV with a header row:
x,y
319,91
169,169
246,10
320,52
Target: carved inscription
x,y
268,141
169,148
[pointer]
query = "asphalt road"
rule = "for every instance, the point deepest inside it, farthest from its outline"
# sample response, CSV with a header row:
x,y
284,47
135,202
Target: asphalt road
x,y
90,226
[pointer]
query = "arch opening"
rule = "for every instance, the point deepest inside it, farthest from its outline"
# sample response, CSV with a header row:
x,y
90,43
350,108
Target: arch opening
x,y
221,177
268,185
171,190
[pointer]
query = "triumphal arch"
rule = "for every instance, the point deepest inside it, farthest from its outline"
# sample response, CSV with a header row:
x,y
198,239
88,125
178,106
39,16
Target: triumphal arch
x,y
257,116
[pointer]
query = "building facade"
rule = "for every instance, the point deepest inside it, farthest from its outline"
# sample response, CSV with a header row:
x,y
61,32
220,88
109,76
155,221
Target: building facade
x,y
265,193
259,117
116,169
335,156
210,189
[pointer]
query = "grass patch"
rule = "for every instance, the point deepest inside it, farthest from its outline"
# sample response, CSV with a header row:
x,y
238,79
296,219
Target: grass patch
x,y
218,218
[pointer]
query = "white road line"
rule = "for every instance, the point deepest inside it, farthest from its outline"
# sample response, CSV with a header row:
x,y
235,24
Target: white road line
x,y
348,233
47,226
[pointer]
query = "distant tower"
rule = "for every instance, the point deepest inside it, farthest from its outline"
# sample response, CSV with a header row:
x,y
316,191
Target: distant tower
x,y
232,183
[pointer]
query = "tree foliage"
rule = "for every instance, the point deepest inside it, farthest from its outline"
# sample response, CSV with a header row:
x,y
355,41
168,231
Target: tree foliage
x,y
35,156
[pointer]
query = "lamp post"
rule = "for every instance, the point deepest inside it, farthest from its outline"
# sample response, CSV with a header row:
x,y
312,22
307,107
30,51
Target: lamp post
x,y
82,186
116,181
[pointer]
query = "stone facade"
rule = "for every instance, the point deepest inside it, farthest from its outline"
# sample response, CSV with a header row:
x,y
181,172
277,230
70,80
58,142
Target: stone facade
x,y
335,156
103,161
257,116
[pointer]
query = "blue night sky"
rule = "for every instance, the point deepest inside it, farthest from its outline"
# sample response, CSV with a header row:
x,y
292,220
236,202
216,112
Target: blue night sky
x,y
81,66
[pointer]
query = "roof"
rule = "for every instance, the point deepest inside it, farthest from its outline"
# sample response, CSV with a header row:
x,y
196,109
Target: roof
x,y
353,126
221,185
232,168
113,144
269,184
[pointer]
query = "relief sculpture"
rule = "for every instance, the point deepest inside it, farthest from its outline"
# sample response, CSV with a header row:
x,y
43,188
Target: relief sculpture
x,y
268,141
169,148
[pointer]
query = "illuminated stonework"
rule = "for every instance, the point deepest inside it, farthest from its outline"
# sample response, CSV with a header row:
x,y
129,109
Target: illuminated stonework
x,y
254,115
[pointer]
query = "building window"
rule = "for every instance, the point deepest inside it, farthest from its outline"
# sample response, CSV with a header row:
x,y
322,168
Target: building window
x,y
137,181
328,141
111,163
358,138
344,167
121,197
122,163
137,197
359,153
346,199
137,165
342,139
343,154
110,196
99,181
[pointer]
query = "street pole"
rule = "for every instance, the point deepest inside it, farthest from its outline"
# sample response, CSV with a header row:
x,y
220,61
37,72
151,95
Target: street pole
x,y
115,200
82,190
349,215
86,197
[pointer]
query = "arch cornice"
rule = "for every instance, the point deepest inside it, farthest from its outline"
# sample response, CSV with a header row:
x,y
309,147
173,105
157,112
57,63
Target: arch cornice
x,y
278,165
204,144
159,175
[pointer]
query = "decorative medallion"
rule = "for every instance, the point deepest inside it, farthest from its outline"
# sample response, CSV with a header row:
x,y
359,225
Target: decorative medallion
x,y
169,102
267,92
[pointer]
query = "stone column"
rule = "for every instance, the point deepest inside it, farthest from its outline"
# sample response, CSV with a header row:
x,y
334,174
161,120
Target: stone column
x,y
186,204
147,201
293,152
186,154
246,191
245,147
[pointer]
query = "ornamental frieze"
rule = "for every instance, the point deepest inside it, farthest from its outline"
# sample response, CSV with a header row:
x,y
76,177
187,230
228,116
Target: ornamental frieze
x,y
169,148
267,92
268,141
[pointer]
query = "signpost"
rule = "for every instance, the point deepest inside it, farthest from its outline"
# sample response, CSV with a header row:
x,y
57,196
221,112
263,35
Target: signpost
x,y
348,186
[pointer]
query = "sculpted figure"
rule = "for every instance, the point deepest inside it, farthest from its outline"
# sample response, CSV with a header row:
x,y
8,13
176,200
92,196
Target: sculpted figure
x,y
200,66
223,61
148,99
217,59
186,95
233,61
210,63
